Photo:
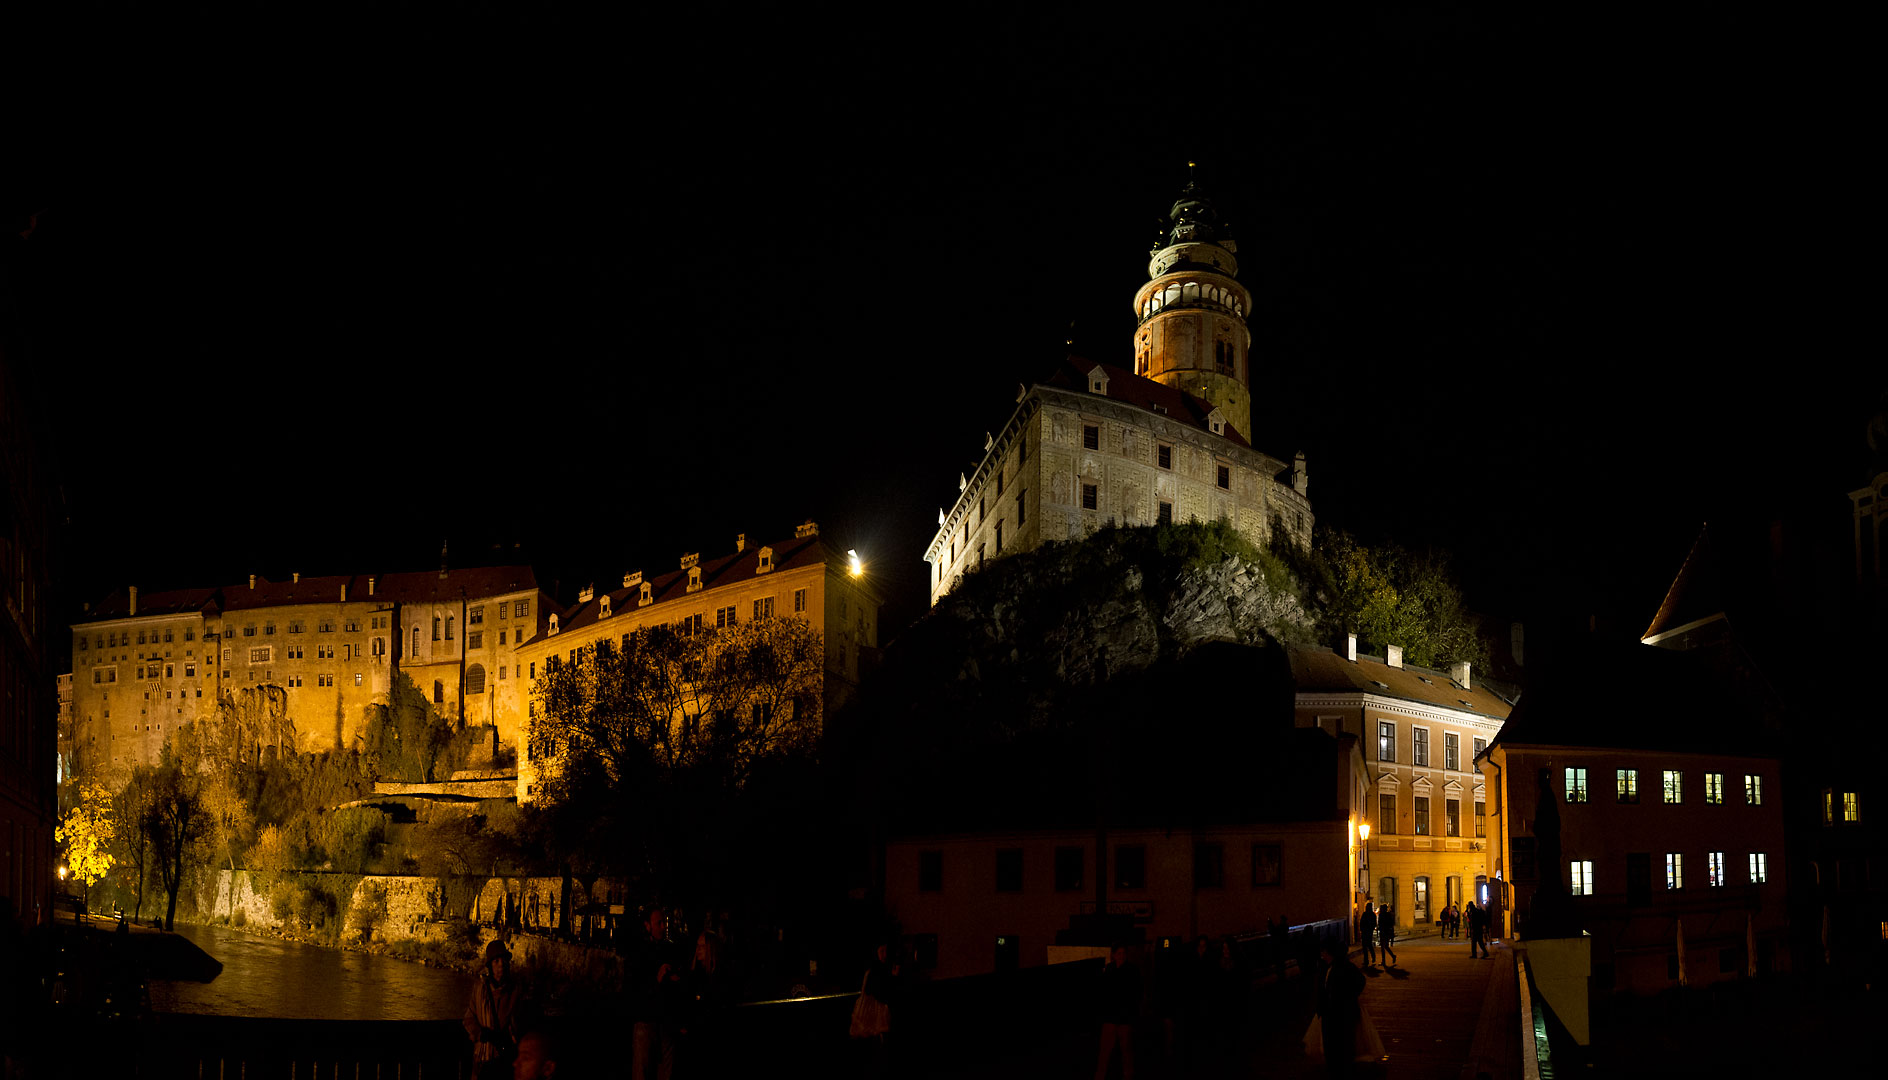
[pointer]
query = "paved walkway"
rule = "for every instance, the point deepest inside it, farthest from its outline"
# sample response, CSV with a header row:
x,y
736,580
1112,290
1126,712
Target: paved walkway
x,y
1429,1008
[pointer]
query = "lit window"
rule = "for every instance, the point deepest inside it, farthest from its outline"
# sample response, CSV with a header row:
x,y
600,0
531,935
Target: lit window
x,y
1582,874
1753,789
1386,740
1674,870
1851,809
1628,785
1714,788
1422,815
1714,868
1576,785
1673,789
1759,868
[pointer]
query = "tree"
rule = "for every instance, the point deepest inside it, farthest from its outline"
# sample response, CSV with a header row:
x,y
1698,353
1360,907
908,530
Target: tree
x,y
132,804
87,831
174,818
1389,595
407,734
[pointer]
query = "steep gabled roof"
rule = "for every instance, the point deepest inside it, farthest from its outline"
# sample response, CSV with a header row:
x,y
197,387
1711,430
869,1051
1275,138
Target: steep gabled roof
x,y
1142,393
1696,596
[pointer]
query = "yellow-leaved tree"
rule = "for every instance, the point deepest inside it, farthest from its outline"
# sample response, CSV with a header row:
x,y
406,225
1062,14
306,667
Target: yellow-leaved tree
x,y
86,831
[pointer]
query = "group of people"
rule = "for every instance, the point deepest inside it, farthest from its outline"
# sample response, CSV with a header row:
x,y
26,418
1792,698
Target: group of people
x,y
677,1003
1377,930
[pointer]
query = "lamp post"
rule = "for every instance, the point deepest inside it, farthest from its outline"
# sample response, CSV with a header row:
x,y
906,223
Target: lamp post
x,y
1363,856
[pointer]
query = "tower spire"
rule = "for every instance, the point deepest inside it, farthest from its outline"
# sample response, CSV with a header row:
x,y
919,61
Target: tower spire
x,y
1192,332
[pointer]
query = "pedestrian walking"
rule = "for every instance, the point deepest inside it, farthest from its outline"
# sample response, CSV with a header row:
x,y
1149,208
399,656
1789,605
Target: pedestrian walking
x,y
1120,1003
655,985
1477,929
1386,934
491,1017
1339,1008
709,994
1367,930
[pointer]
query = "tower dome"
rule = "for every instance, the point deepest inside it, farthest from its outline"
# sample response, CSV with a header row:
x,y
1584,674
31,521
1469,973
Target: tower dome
x,y
1192,331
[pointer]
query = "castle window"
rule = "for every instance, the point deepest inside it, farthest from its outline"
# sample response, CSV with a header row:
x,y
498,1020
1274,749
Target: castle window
x,y
999,536
1091,496
448,629
724,616
1225,477
475,679
475,639
439,692
1091,437
521,608
1163,455
979,556
475,616
190,634
979,509
1022,511
1022,448
1164,516
999,481
416,639
764,608
799,601
435,628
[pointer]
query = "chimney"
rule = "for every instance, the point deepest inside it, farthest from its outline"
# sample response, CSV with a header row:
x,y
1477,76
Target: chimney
x,y
587,593
1394,655
1350,647
344,592
370,586
252,581
296,578
134,599
632,579
442,560
740,543
808,529
1459,672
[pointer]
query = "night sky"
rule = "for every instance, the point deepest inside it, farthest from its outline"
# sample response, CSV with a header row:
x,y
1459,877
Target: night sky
x,y
1541,289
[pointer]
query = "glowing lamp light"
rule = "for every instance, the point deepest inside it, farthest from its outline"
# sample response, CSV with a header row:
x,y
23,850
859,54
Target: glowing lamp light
x,y
857,567
1363,831
62,873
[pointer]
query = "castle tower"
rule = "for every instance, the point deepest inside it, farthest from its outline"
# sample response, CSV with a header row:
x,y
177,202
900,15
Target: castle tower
x,y
1192,334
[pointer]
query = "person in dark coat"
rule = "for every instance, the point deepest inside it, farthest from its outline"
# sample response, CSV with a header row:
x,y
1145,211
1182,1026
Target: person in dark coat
x,y
1120,1004
1367,931
709,993
1386,934
1477,929
654,984
491,1017
1340,990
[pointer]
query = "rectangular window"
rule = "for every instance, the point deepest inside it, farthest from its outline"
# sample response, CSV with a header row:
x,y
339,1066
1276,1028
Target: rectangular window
x,y
1164,455
1674,788
930,871
1386,740
475,616
764,608
435,628
1209,865
1022,512
1419,746
1452,817
1480,745
1068,869
1091,496
999,537
1851,807
799,601
1481,819
1225,477
1753,789
1628,780
1828,807
724,617
1714,868
1091,437
1714,788
521,609
1164,515
980,556
1582,877
1576,785
475,639
1674,870
448,628
1422,815
1130,866
1268,864
1009,870
1386,815
1759,868
262,655
190,671
1451,751
357,679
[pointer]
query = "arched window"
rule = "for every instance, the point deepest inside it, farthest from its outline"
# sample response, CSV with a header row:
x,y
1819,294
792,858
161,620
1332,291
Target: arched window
x,y
475,679
416,639
439,692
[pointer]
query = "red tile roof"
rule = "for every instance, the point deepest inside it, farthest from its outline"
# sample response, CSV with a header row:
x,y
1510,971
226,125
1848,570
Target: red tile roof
x,y
734,568
1142,393
420,586
1318,669
173,602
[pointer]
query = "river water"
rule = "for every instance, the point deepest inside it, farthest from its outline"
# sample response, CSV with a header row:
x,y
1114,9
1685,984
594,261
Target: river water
x,y
265,976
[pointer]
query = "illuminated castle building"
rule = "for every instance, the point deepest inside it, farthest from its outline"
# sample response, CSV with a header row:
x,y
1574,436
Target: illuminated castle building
x,y
1095,445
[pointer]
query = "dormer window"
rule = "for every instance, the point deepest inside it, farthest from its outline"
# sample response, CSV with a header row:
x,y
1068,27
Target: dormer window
x,y
766,561
1216,421
553,622
1098,380
603,606
644,598
694,579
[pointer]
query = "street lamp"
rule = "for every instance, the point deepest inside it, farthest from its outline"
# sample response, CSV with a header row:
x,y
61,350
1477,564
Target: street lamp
x,y
1363,856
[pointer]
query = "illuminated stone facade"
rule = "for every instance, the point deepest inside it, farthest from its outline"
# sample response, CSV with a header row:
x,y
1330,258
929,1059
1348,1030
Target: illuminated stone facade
x,y
319,650
1430,842
801,578
1095,445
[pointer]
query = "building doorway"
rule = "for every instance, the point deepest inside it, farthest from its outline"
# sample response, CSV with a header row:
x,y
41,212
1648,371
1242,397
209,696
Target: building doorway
x,y
1419,903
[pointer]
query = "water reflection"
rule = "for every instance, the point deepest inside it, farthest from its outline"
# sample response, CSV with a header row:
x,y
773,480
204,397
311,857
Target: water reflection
x,y
265,976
